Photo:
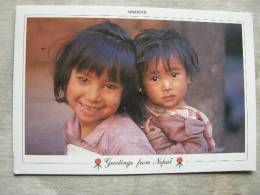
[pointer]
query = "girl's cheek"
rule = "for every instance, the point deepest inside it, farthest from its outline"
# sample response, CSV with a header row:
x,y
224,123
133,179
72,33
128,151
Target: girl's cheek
x,y
112,95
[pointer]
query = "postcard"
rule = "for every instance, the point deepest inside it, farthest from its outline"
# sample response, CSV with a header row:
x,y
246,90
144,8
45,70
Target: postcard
x,y
133,90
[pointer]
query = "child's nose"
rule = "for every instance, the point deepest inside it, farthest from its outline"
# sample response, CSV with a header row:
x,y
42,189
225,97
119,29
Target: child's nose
x,y
93,94
166,85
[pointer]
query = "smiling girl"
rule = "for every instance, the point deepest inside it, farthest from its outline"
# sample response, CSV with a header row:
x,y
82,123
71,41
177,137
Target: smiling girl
x,y
92,75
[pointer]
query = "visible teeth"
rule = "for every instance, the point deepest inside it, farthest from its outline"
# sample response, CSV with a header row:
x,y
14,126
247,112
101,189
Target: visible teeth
x,y
89,107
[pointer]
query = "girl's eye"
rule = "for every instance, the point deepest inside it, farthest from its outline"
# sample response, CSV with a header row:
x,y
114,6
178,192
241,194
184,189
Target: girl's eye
x,y
154,78
174,74
83,80
110,86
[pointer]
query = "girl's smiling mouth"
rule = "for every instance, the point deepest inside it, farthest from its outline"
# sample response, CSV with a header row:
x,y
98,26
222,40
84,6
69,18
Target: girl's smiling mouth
x,y
88,109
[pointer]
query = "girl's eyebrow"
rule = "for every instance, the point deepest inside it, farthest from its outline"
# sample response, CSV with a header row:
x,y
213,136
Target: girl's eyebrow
x,y
81,72
110,81
153,72
93,75
174,68
85,73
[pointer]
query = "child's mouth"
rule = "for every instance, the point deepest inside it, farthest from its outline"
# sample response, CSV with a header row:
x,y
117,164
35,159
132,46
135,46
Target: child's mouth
x,y
168,98
89,109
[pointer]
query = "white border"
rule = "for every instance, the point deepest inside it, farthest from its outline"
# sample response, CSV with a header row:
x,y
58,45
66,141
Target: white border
x,y
33,164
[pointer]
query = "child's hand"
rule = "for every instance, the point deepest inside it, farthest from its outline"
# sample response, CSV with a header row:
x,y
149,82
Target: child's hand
x,y
148,128
156,137
179,128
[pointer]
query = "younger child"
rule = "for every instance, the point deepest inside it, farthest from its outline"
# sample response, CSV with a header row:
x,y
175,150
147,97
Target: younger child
x,y
95,75
166,63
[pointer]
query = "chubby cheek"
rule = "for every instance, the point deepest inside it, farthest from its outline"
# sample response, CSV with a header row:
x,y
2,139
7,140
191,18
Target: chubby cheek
x,y
69,95
112,101
73,93
182,89
152,91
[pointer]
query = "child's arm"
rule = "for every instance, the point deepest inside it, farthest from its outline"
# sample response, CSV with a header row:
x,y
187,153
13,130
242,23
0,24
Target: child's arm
x,y
159,140
208,132
168,144
186,123
190,112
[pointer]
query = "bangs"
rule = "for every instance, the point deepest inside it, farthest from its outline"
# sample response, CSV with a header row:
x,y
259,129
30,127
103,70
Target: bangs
x,y
165,54
105,55
154,44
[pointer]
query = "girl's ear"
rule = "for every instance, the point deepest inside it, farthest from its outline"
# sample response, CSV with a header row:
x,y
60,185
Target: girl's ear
x,y
141,91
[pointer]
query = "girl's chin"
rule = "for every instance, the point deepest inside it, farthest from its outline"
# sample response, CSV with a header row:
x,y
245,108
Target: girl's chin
x,y
168,106
172,105
161,105
90,121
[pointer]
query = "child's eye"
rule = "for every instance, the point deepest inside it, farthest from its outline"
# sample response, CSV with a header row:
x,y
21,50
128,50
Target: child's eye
x,y
174,74
110,86
83,80
154,78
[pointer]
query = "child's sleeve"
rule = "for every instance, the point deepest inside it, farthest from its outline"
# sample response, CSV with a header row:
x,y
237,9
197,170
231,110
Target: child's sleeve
x,y
208,132
157,138
163,144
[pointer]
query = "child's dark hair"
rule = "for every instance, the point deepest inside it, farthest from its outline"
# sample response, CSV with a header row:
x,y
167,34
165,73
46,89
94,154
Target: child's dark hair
x,y
164,43
101,47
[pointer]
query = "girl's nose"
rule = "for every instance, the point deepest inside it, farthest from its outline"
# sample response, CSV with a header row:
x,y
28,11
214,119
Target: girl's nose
x,y
93,94
166,85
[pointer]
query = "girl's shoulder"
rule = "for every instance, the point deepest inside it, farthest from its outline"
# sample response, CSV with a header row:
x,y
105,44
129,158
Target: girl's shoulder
x,y
123,129
125,137
122,122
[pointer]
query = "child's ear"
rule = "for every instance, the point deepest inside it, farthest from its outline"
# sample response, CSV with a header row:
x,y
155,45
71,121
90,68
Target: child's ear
x,y
141,91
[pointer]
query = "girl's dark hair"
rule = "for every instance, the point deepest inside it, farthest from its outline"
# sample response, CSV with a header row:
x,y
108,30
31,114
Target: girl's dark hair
x,y
164,43
101,47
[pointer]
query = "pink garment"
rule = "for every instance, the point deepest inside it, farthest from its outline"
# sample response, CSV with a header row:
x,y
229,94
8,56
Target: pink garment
x,y
185,131
117,135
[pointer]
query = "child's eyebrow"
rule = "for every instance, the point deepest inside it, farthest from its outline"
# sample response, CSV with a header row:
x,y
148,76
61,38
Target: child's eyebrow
x,y
86,74
82,71
174,68
153,72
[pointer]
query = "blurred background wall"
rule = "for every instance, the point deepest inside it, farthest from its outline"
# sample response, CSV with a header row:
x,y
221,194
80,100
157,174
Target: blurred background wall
x,y
217,90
